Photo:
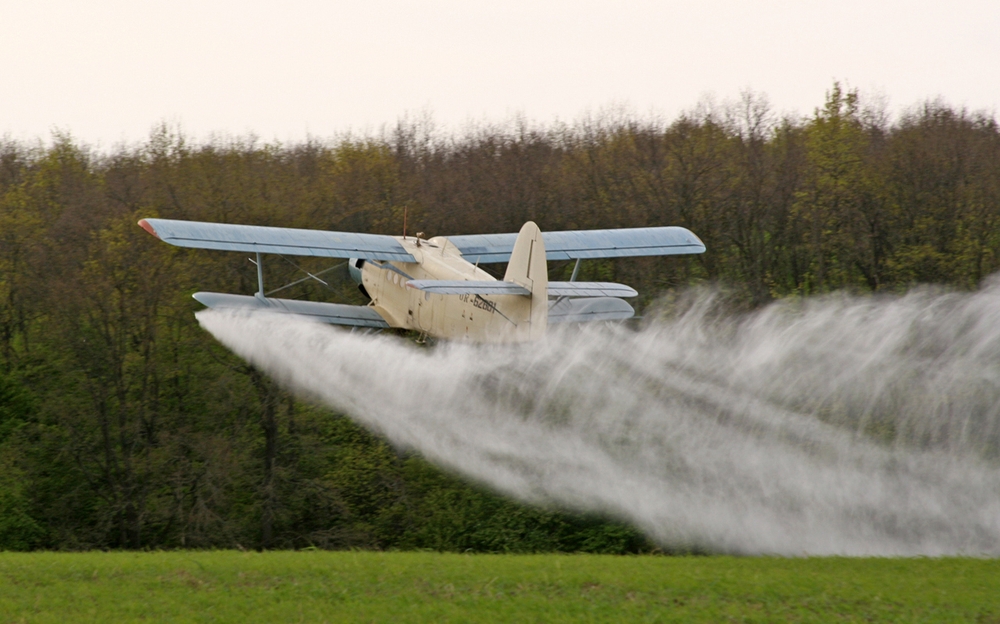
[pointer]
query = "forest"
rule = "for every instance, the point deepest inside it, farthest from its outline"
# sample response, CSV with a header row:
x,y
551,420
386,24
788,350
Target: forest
x,y
124,425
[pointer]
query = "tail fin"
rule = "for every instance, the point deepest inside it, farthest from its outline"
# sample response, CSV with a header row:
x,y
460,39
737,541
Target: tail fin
x,y
528,268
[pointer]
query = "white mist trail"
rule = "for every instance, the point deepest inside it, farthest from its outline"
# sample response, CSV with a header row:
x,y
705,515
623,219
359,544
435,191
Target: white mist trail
x,y
839,425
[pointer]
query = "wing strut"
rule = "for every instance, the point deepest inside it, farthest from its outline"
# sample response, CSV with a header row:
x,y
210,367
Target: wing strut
x,y
260,276
572,278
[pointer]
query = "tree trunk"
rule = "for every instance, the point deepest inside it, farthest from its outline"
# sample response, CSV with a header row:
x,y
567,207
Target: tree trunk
x,y
268,394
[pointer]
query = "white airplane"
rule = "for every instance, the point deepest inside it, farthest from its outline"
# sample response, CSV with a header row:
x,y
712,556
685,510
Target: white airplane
x,y
435,286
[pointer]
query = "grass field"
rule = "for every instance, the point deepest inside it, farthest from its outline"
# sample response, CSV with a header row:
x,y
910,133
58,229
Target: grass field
x,y
383,587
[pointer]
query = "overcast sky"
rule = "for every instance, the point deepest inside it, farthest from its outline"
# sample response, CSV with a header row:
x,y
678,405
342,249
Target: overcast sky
x,y
108,71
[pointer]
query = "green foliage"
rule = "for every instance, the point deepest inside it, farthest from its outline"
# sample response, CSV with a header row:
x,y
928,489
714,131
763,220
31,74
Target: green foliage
x,y
18,529
123,425
16,406
449,515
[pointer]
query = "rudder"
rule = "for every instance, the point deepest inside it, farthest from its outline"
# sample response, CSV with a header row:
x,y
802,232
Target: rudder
x,y
528,268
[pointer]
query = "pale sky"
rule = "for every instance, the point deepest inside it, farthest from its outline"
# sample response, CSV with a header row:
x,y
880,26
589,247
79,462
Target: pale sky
x,y
109,71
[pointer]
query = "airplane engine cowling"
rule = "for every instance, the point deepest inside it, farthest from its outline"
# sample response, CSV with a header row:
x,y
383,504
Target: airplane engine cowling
x,y
354,268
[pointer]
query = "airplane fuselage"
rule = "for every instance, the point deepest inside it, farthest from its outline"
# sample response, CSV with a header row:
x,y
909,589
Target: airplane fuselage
x,y
478,318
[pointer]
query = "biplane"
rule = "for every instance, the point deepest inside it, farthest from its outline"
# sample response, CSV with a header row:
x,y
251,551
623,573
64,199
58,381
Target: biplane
x,y
435,286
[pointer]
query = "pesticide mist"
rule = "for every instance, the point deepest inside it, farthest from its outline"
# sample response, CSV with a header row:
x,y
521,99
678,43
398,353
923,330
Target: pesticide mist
x,y
836,425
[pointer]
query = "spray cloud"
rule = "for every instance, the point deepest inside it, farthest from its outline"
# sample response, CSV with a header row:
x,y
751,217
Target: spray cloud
x,y
835,425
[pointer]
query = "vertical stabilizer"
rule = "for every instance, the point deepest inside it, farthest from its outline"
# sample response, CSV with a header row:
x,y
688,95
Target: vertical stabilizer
x,y
528,268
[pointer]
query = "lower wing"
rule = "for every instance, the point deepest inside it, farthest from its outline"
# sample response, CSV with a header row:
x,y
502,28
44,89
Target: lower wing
x,y
332,313
561,310
589,309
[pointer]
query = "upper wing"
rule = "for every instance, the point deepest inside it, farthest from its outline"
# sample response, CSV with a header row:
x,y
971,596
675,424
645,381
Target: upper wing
x,y
568,245
293,242
572,244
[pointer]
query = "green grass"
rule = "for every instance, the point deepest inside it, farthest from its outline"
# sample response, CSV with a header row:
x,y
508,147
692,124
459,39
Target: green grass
x,y
382,587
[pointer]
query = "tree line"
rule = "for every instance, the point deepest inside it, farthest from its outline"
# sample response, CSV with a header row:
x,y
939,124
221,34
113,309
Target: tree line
x,y
123,425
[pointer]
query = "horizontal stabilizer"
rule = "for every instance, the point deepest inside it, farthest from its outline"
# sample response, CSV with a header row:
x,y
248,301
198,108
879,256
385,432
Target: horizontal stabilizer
x,y
556,289
590,289
572,244
332,313
274,240
462,287
587,310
